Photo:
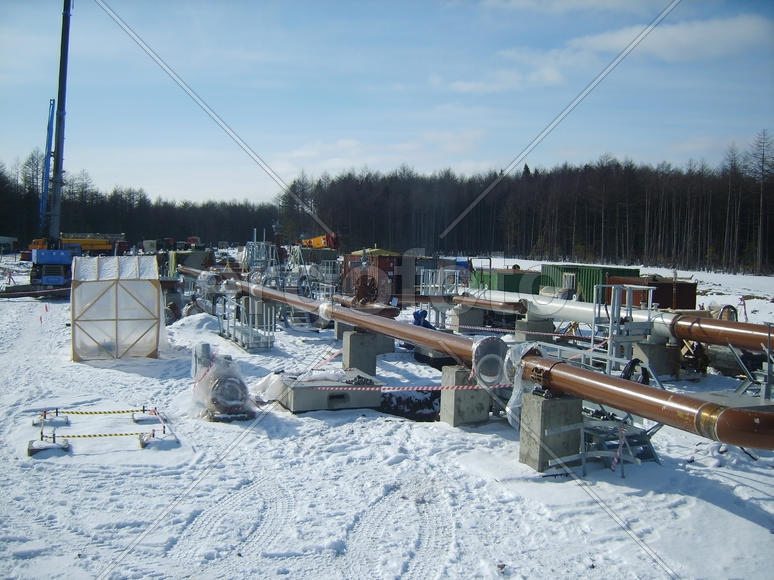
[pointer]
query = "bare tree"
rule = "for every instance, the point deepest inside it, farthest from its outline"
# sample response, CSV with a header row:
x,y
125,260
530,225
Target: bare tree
x,y
32,172
759,165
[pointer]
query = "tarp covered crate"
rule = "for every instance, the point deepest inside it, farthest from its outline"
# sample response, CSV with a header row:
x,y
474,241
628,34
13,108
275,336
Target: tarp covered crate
x,y
116,305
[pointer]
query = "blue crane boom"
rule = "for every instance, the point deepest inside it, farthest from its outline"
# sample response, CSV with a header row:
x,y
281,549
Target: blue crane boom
x,y
47,167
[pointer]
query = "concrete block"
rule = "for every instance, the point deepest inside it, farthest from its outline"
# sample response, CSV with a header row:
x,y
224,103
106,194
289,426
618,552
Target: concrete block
x,y
533,330
539,416
664,359
360,350
462,316
462,407
339,328
323,395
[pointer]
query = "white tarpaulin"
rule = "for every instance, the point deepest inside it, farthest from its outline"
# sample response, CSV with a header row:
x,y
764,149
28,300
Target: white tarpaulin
x,y
116,305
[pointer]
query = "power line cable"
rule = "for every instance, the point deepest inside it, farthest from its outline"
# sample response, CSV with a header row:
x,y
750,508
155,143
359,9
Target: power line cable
x,y
210,112
560,117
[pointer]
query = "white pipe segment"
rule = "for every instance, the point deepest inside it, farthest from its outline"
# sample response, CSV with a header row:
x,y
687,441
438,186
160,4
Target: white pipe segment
x,y
553,308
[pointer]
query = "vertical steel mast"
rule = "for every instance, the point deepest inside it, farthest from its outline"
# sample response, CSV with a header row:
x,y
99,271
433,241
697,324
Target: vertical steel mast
x,y
58,181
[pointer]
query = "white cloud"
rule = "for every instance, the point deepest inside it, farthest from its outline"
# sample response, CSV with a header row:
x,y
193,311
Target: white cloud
x,y
545,76
405,147
687,41
320,149
306,152
476,167
453,141
698,40
494,82
426,151
318,157
530,68
698,146
565,6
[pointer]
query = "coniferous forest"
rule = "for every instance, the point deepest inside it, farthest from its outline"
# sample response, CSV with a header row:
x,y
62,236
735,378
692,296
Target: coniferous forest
x,y
611,211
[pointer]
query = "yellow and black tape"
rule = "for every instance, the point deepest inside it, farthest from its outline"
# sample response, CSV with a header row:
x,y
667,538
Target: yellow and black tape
x,y
94,435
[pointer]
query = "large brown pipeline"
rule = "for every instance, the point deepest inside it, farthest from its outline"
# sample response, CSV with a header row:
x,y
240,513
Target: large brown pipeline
x,y
712,331
453,345
519,307
747,427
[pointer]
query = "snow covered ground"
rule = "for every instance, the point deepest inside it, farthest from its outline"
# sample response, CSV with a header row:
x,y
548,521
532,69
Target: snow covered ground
x,y
344,494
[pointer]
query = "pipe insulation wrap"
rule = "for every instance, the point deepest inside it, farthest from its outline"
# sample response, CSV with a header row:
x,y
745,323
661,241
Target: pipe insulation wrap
x,y
324,312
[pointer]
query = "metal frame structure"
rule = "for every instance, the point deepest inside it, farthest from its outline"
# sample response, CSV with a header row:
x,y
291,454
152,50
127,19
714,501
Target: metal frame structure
x,y
615,324
247,321
438,282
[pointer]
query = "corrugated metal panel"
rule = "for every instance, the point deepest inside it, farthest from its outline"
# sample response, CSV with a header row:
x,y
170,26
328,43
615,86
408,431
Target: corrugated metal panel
x,y
551,274
523,282
493,280
498,279
590,276
667,293
586,277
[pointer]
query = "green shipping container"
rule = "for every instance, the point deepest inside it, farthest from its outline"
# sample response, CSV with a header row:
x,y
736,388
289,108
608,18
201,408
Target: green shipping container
x,y
586,277
521,281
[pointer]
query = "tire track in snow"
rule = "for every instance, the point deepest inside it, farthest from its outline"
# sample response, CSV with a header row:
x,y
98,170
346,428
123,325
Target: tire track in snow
x,y
435,538
14,354
235,524
276,509
372,546
31,530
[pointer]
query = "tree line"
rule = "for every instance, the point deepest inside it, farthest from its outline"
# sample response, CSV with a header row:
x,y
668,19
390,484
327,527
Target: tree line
x,y
610,211
697,217
124,210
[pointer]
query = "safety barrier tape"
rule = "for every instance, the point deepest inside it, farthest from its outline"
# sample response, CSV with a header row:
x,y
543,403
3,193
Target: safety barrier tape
x,y
486,328
57,412
106,412
94,435
527,331
413,388
204,374
145,434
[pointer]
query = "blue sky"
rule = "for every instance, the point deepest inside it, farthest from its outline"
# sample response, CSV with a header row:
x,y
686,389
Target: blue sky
x,y
332,86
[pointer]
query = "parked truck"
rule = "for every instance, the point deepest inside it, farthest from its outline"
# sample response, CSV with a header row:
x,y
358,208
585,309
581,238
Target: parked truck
x,y
89,244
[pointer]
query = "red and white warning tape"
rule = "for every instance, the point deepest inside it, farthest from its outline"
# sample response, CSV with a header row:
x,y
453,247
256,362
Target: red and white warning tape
x,y
412,388
486,328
